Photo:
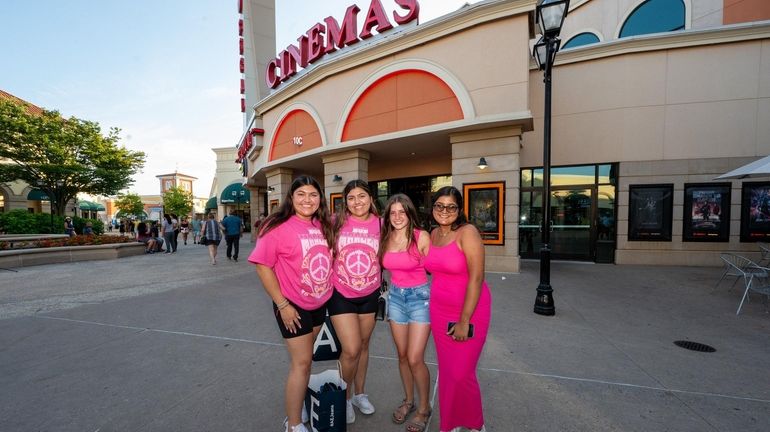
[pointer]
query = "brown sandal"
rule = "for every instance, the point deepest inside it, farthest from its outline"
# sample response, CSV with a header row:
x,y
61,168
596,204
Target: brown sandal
x,y
400,414
416,425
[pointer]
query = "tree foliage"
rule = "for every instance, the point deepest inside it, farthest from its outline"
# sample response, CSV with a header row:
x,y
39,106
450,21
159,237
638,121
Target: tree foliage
x,y
129,204
63,156
178,201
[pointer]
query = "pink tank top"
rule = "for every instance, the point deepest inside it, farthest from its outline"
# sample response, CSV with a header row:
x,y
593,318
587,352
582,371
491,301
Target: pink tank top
x,y
406,268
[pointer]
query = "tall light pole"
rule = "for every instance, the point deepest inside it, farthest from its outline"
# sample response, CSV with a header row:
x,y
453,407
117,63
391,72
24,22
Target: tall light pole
x,y
549,17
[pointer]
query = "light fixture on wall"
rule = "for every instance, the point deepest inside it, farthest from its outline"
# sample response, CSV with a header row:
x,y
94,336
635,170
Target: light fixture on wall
x,y
336,178
482,164
270,189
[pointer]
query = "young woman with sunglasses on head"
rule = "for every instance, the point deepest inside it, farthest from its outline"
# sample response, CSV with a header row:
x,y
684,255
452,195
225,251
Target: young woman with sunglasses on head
x,y
460,310
403,246
293,259
356,278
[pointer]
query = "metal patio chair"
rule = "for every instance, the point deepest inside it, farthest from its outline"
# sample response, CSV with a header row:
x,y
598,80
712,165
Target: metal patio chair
x,y
739,267
755,277
764,249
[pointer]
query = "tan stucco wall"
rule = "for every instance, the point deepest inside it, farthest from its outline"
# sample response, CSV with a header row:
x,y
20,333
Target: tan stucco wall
x,y
657,106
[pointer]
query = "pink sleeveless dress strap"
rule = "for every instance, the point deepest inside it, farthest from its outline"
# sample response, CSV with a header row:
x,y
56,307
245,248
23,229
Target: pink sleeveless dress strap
x,y
458,385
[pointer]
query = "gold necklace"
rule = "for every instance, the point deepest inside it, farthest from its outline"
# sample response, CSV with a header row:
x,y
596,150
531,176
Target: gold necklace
x,y
443,234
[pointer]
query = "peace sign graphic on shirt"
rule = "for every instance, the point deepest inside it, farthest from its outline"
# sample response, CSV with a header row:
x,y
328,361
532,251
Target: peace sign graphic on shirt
x,y
358,263
318,268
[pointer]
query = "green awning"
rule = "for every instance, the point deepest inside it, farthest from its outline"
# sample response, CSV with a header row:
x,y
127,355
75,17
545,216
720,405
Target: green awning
x,y
100,207
37,195
235,193
86,205
211,203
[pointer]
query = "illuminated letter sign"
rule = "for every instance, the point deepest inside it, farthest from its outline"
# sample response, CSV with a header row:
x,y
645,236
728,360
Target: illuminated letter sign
x,y
322,39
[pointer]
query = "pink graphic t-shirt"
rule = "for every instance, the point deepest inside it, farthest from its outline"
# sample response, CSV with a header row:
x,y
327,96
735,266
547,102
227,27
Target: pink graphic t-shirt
x,y
298,254
356,271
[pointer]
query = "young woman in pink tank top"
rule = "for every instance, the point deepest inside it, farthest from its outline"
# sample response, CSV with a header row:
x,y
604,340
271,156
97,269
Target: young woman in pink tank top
x,y
403,247
460,301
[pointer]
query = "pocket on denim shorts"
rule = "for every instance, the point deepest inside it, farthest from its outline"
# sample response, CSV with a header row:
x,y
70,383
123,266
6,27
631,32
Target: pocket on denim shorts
x,y
422,293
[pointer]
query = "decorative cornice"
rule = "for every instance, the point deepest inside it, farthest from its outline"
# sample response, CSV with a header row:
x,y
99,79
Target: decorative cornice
x,y
664,41
460,20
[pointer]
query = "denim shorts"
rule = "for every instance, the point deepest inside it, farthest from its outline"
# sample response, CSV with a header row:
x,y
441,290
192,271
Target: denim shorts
x,y
409,305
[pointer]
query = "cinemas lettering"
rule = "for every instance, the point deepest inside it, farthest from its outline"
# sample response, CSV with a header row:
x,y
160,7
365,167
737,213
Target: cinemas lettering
x,y
322,39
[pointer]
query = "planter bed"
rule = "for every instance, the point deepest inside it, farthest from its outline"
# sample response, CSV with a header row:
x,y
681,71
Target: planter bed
x,y
40,256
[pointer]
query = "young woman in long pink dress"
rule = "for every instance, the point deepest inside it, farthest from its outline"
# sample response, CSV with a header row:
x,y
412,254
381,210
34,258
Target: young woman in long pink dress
x,y
459,295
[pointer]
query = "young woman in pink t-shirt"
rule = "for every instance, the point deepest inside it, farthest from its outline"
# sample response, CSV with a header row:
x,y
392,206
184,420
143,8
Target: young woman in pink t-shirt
x,y
403,246
356,279
293,259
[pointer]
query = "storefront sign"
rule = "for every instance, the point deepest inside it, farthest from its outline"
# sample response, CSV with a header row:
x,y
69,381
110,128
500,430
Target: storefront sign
x,y
322,39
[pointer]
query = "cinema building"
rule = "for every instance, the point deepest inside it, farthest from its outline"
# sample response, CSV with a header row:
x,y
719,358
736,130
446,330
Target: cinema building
x,y
652,99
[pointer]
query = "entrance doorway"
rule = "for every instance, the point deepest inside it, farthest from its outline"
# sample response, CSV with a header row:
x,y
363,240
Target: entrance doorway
x,y
583,212
418,189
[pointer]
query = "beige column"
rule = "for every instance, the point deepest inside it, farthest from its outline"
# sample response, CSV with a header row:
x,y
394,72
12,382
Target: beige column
x,y
279,180
349,165
500,147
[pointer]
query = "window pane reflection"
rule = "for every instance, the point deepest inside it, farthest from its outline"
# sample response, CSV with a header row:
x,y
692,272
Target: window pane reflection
x,y
577,175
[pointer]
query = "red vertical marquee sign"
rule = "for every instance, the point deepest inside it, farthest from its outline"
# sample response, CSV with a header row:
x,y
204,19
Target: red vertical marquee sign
x,y
242,61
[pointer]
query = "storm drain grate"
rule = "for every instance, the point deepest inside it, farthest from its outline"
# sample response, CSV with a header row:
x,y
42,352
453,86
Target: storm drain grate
x,y
694,346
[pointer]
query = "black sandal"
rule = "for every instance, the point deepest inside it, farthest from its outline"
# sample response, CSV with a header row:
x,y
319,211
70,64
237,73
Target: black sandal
x,y
402,412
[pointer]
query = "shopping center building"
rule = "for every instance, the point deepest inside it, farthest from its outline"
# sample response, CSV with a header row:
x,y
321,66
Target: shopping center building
x,y
652,99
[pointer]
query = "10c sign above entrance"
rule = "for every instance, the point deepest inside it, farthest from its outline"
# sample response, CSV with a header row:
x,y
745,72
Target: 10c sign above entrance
x,y
322,39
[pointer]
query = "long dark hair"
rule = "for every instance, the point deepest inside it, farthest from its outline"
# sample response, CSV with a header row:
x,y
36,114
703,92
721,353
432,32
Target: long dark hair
x,y
342,216
286,210
458,197
387,227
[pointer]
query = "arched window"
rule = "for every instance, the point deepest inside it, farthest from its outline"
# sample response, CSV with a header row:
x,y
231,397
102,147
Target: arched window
x,y
654,16
581,39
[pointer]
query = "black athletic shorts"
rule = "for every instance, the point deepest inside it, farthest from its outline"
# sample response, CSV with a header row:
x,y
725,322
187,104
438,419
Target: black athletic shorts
x,y
307,320
340,304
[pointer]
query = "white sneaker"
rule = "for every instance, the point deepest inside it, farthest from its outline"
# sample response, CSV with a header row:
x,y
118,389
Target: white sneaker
x,y
298,428
361,401
350,415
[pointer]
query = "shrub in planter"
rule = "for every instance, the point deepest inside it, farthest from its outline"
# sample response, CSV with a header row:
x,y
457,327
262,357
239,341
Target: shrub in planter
x,y
23,222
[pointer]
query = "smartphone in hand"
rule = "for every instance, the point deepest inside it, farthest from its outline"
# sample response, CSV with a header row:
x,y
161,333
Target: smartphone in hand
x,y
450,325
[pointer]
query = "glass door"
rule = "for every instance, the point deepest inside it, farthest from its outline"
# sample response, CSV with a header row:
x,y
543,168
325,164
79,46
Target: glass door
x,y
571,213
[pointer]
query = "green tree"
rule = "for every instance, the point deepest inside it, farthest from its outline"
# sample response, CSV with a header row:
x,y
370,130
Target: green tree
x,y
129,204
178,201
63,156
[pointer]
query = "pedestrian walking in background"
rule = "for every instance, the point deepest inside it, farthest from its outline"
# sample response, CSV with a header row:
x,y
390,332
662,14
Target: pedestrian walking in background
x,y
167,230
403,247
175,221
196,227
356,276
184,227
232,225
293,259
460,310
213,235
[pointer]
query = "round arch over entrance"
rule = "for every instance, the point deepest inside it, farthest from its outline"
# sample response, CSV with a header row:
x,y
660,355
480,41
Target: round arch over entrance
x,y
401,100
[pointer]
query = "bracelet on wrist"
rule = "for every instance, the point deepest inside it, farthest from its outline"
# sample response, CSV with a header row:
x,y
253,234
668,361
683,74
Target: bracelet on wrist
x,y
283,304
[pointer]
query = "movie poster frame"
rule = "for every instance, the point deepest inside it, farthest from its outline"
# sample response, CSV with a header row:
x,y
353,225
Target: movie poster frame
x,y
335,199
693,235
471,193
749,234
273,205
665,197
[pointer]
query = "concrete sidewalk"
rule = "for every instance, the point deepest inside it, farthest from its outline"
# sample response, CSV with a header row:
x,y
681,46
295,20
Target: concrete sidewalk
x,y
170,343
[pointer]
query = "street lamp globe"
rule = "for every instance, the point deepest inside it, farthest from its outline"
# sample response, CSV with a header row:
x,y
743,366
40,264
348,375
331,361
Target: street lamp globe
x,y
545,52
550,16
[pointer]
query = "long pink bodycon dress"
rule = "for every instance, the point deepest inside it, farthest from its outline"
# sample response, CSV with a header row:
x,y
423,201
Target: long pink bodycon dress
x,y
458,386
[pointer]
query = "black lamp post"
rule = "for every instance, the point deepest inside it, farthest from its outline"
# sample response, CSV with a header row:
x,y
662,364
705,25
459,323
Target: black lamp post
x,y
550,17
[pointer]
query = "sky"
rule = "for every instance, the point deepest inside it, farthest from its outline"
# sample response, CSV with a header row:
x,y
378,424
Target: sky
x,y
164,72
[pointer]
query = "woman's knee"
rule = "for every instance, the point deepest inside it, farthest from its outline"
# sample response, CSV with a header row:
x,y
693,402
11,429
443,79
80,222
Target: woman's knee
x,y
416,361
